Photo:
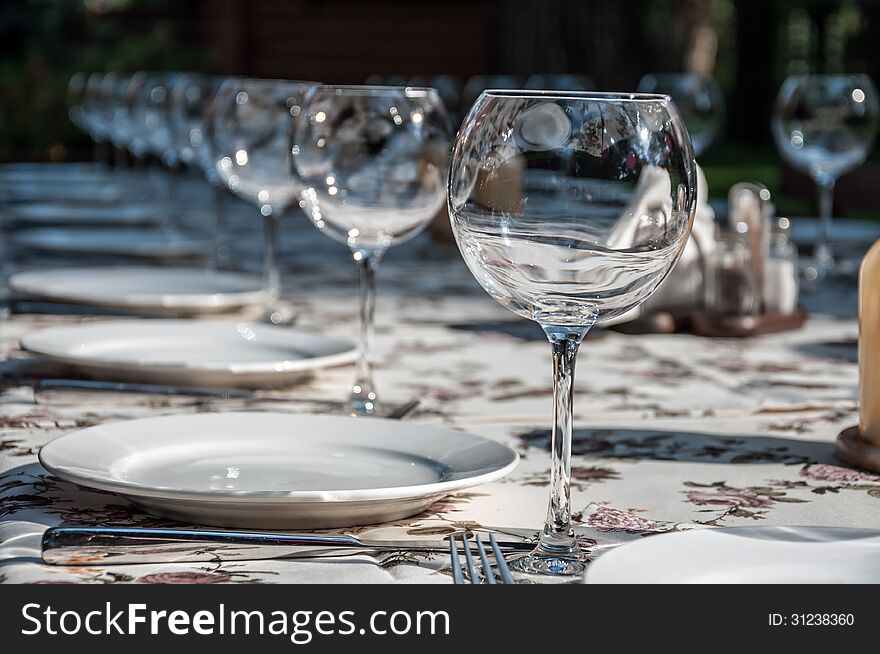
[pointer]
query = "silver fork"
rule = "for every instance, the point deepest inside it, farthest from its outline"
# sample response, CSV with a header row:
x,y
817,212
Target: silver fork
x,y
488,575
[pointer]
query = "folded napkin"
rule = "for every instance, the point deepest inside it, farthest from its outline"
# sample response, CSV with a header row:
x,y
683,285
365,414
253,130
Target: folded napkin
x,y
684,287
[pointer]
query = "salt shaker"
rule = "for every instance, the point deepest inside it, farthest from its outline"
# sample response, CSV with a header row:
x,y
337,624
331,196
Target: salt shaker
x,y
732,289
749,206
781,269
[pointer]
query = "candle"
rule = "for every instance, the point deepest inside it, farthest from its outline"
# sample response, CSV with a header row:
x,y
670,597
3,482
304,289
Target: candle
x,y
869,346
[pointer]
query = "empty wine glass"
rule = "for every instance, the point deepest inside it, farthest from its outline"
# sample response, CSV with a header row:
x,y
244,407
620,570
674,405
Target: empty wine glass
x,y
97,111
122,91
151,119
85,112
190,102
151,101
77,86
110,100
372,162
824,126
570,208
699,99
251,137
191,120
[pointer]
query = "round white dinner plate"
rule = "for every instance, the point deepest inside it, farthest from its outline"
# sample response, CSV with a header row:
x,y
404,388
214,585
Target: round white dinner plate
x,y
744,555
99,215
209,353
187,291
155,244
277,470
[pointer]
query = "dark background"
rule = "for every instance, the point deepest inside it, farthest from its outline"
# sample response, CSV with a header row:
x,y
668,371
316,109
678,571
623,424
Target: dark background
x,y
748,45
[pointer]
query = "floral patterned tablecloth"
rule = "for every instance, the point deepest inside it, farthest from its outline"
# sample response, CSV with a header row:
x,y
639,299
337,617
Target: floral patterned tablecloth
x,y
672,431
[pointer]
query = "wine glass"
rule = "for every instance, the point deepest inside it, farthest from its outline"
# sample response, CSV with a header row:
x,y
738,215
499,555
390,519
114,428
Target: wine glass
x,y
191,120
151,101
372,162
151,118
121,91
77,86
190,102
824,126
699,99
96,110
85,112
570,208
251,137
109,102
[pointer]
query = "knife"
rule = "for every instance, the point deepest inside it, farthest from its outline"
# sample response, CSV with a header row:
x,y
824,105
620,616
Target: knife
x,y
84,546
87,385
43,386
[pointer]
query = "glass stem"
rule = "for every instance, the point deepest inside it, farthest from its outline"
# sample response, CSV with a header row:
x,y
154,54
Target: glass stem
x,y
822,255
363,400
172,196
116,155
221,227
558,538
100,154
271,275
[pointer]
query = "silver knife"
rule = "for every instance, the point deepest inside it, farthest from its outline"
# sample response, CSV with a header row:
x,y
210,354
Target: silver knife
x,y
43,386
87,385
83,546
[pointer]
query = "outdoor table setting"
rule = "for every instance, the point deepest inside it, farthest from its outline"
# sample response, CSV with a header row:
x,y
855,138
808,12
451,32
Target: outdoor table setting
x,y
193,393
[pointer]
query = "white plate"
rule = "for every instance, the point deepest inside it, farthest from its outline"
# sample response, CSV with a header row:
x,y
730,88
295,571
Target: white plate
x,y
141,243
745,555
277,471
57,213
180,290
210,353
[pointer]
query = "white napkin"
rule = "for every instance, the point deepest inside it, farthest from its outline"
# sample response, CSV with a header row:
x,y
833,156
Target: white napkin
x,y
684,287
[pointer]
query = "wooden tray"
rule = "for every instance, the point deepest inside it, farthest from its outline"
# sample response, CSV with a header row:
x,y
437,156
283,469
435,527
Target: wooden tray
x,y
850,448
702,323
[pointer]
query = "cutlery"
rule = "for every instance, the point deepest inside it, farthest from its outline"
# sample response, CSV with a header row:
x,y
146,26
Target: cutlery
x,y
35,307
43,386
83,546
473,576
403,410
146,389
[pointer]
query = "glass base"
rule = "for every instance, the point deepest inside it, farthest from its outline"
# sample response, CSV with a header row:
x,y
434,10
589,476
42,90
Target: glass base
x,y
550,564
363,405
817,271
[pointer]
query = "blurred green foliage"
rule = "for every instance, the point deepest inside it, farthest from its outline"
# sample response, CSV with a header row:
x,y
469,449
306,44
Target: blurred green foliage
x,y
43,42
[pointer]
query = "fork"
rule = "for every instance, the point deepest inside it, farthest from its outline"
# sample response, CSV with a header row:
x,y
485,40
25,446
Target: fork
x,y
472,575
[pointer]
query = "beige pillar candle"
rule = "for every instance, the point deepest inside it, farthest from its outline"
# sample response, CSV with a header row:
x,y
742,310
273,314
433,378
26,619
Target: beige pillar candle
x,y
500,185
869,346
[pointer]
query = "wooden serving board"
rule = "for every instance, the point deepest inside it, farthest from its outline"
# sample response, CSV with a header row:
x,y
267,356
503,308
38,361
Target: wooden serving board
x,y
702,323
